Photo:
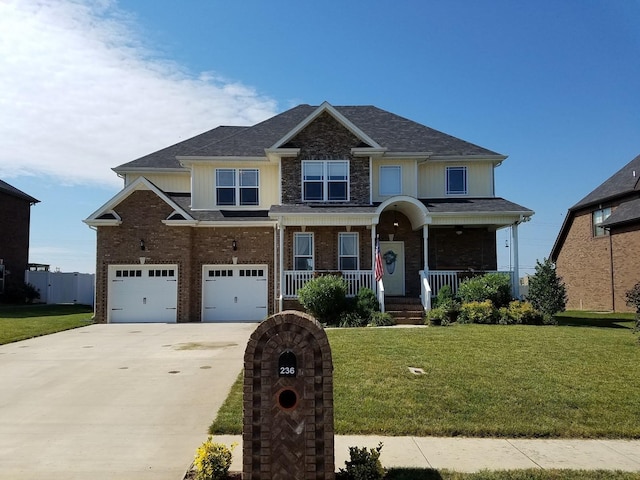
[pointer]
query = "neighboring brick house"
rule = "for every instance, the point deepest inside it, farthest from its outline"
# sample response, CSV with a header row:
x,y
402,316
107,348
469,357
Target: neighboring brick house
x,y
228,225
597,252
15,216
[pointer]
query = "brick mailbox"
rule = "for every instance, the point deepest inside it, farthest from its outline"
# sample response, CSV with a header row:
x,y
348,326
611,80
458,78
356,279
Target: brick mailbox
x,y
288,401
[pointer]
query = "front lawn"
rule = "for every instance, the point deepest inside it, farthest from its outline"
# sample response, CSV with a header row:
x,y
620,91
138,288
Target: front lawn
x,y
482,381
27,321
430,474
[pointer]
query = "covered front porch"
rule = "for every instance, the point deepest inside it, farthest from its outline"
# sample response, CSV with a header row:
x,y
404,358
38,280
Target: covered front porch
x,y
423,245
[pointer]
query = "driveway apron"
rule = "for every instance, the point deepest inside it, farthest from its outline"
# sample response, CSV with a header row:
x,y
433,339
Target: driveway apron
x,y
114,401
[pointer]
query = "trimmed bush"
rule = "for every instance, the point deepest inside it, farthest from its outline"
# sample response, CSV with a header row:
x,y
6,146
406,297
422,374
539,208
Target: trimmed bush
x,y
364,464
212,461
444,297
445,313
491,286
325,298
520,313
478,312
633,300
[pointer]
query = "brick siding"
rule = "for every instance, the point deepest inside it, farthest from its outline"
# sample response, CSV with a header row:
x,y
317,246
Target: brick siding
x,y
190,248
585,265
15,214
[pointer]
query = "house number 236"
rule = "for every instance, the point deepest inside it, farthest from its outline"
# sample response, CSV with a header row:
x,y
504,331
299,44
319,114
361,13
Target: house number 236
x,y
287,364
287,371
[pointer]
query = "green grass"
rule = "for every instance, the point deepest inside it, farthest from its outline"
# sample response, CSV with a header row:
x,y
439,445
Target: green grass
x,y
22,322
430,474
481,381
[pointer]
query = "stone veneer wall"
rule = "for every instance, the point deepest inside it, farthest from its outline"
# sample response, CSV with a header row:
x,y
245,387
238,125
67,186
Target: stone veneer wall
x,y
325,139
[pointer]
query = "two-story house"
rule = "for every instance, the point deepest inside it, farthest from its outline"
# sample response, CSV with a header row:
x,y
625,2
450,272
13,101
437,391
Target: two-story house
x,y
15,219
596,252
230,224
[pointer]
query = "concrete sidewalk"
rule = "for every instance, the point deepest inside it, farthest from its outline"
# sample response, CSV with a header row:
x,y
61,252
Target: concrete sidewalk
x,y
474,454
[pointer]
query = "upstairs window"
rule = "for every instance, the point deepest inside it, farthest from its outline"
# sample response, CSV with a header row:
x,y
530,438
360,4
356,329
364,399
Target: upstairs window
x,y
456,180
237,186
303,251
348,251
600,216
325,181
390,180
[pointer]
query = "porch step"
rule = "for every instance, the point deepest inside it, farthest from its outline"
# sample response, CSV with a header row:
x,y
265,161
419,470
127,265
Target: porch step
x,y
405,310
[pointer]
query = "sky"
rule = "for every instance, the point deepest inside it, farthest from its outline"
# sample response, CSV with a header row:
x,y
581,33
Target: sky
x,y
87,85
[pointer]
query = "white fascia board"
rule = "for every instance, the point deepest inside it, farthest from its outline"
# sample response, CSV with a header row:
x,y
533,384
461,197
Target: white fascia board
x,y
102,222
325,220
478,218
368,152
326,107
275,154
420,156
468,158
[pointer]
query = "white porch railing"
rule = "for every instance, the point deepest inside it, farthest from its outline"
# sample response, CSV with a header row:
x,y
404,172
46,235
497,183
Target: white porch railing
x,y
453,278
294,280
425,291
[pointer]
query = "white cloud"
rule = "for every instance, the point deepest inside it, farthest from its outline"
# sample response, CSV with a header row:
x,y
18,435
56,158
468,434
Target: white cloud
x,y
80,93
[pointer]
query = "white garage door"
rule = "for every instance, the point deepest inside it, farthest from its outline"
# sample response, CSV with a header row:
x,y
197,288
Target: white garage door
x,y
234,293
143,293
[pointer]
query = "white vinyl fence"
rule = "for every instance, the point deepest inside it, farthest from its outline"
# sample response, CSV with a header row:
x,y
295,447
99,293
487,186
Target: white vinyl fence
x,y
58,287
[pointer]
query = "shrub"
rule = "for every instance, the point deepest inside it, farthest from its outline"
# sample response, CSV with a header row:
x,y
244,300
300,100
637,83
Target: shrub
x,y
491,286
381,319
445,313
324,297
351,319
547,293
366,303
17,293
212,461
521,313
633,300
477,312
444,297
363,464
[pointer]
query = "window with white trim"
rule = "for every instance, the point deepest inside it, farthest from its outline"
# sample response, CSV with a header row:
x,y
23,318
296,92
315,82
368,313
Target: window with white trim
x,y
237,186
325,180
303,251
390,182
348,248
456,180
600,216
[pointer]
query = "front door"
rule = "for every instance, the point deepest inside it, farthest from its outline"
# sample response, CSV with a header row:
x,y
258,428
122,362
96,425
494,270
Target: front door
x,y
393,267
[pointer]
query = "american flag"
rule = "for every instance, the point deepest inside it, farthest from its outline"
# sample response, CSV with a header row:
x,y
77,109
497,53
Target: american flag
x,y
379,271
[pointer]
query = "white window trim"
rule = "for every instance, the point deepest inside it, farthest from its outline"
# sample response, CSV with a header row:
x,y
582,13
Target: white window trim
x,y
296,235
466,180
597,225
357,255
381,176
237,187
325,180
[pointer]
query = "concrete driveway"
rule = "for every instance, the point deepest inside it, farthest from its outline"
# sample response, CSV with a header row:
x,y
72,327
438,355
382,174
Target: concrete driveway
x,y
114,401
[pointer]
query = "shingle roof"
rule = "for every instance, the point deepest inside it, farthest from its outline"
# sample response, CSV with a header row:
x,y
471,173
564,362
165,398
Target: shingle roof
x,y
13,191
488,205
626,212
625,180
391,131
184,201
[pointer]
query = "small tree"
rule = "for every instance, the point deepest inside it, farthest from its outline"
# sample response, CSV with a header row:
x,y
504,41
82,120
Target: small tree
x,y
547,292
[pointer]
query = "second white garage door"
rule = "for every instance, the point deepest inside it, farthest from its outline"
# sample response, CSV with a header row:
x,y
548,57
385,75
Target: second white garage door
x,y
234,293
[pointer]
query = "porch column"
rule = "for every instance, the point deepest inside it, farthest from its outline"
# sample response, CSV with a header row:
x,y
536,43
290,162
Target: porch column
x,y
425,247
281,229
516,268
373,250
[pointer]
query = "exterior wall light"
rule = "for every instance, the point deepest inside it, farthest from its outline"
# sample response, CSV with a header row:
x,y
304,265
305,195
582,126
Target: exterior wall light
x,y
234,245
142,247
